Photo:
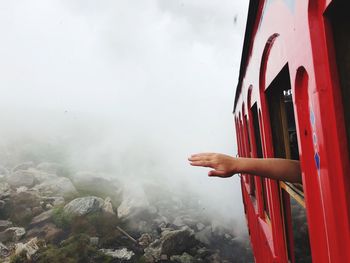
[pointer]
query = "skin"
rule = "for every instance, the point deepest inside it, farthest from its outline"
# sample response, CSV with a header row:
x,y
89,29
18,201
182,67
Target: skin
x,y
226,166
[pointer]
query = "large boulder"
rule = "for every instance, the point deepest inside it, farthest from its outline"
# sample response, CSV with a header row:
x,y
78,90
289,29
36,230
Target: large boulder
x,y
21,178
172,242
61,186
84,205
135,204
42,219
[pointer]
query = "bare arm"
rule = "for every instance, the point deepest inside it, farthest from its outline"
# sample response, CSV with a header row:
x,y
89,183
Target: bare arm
x,y
226,166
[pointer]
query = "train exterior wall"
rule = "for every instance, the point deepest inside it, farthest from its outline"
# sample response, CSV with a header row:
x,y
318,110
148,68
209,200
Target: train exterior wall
x,y
296,34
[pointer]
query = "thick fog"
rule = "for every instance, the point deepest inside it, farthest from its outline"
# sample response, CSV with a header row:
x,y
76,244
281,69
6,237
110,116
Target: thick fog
x,y
126,88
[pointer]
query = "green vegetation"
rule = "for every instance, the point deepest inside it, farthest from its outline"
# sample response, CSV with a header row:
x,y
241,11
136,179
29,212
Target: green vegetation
x,y
75,249
61,219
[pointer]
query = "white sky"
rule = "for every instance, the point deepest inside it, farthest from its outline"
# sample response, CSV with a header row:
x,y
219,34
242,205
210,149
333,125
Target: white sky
x,y
166,68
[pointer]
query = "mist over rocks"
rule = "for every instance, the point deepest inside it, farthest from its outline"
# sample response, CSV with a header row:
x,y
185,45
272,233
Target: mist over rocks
x,y
116,220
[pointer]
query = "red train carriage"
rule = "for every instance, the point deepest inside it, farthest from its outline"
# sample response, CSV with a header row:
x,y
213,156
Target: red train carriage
x,y
292,101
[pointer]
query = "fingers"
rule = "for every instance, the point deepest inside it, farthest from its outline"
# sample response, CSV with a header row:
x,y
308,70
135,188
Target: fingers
x,y
201,163
201,157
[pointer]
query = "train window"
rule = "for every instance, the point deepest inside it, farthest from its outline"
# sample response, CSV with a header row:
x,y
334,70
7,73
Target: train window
x,y
285,145
340,20
254,110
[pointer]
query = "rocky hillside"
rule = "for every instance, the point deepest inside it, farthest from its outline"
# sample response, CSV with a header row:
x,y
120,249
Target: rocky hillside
x,y
48,214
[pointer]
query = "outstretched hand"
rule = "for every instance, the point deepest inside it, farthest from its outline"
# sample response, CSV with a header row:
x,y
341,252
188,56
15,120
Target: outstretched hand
x,y
222,165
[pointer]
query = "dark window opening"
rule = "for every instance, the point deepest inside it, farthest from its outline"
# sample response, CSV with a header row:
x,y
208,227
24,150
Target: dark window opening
x,y
285,145
254,110
251,177
340,21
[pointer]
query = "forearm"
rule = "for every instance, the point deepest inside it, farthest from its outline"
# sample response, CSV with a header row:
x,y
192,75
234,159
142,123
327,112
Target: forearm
x,y
274,168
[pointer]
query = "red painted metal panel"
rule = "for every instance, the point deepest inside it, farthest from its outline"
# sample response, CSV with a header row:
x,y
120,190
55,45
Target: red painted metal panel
x,y
300,36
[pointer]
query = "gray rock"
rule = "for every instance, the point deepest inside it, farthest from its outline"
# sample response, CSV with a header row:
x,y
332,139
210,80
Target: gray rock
x,y
4,250
29,248
56,186
23,166
84,205
42,219
145,240
205,236
184,258
21,178
177,241
4,188
107,206
123,253
171,243
134,204
12,234
4,224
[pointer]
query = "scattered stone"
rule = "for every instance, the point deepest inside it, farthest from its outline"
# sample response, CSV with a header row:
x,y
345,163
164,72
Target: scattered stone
x,y
108,207
4,224
20,178
145,240
48,206
94,241
21,189
4,250
84,205
12,234
184,258
171,243
29,248
42,219
4,188
123,253
23,166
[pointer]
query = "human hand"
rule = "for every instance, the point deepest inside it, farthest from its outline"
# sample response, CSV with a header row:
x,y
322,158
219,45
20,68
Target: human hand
x,y
223,165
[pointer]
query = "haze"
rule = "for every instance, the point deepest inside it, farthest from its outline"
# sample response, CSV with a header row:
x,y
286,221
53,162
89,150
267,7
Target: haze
x,y
130,88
